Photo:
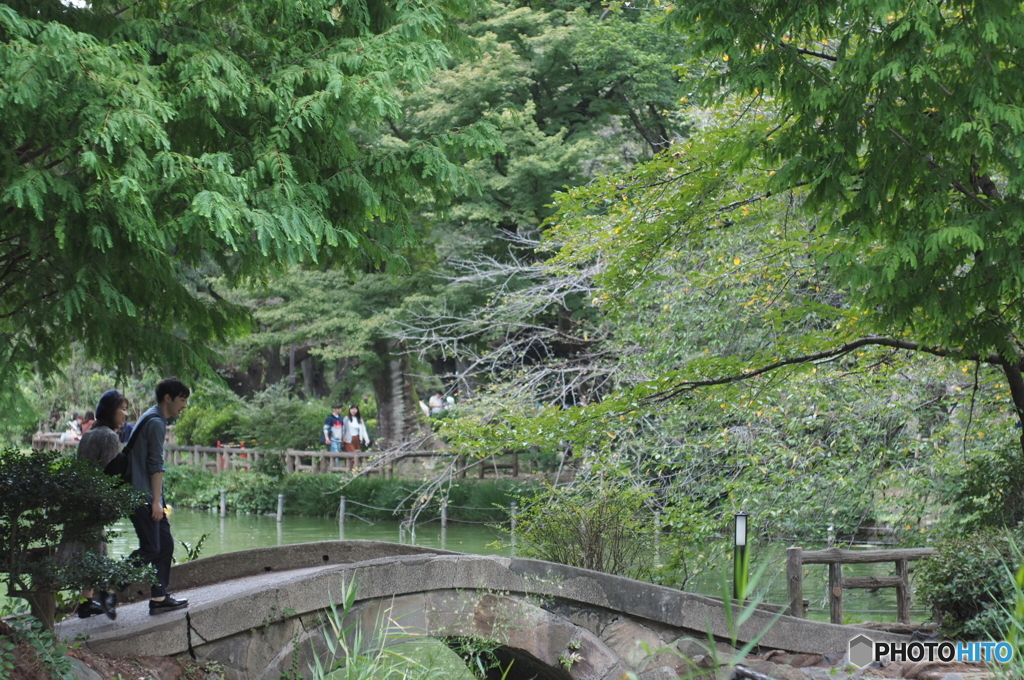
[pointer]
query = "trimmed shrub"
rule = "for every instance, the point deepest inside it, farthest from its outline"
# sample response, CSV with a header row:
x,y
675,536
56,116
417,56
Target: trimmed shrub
x,y
968,583
990,492
606,528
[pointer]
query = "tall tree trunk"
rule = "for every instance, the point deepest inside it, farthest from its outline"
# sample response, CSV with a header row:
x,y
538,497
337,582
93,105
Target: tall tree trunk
x,y
42,604
272,360
398,414
1016,383
291,365
308,375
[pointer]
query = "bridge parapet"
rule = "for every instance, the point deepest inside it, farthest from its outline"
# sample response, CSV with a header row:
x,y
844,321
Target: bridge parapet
x,y
256,619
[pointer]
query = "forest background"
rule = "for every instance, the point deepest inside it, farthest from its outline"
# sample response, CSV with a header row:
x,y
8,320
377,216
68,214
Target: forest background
x,y
713,258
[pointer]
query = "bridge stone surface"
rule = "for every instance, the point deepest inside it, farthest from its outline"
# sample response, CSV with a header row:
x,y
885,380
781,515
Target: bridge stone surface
x,y
260,612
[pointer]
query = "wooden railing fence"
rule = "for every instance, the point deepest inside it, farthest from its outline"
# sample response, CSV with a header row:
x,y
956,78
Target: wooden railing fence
x,y
223,458
835,558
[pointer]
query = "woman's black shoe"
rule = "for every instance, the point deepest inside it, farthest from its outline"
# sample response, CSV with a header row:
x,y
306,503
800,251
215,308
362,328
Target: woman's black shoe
x,y
89,608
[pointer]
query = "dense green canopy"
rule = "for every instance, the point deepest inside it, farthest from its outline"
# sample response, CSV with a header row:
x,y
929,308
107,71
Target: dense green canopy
x,y
906,119
148,145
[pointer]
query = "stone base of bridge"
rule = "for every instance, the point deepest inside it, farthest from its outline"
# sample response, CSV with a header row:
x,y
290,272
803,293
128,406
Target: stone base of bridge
x,y
542,639
270,616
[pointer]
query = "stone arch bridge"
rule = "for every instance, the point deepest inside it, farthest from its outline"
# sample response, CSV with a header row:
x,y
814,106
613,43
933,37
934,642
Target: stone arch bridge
x,y
261,612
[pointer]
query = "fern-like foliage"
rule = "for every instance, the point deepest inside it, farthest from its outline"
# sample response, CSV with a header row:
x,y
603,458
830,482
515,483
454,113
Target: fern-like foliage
x,y
147,146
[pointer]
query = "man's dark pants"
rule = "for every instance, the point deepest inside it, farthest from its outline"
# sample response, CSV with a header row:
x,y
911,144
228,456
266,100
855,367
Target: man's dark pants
x,y
156,547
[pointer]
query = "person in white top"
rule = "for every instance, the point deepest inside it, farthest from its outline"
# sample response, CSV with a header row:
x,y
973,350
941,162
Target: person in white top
x,y
436,403
354,436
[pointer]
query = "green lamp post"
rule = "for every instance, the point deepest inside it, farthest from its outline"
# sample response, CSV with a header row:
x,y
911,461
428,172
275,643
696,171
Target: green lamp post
x,y
740,557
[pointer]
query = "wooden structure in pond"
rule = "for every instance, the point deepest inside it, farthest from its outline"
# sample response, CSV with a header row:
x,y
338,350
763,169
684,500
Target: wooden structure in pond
x,y
835,558
223,458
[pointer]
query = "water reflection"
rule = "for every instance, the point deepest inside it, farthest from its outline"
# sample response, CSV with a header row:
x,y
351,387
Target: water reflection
x,y
241,532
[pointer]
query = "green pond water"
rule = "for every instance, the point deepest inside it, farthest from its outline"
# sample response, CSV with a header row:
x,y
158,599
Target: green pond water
x,y
241,532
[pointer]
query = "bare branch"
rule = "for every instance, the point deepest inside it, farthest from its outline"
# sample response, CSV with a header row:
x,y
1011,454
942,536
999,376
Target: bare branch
x,y
824,355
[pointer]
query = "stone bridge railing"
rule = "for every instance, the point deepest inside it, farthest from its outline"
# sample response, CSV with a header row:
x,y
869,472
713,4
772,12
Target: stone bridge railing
x,y
260,610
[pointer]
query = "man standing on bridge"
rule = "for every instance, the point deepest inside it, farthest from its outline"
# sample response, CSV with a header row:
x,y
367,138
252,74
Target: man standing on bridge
x,y
156,545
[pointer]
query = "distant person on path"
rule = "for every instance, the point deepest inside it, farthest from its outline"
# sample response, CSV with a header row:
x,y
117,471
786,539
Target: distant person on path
x,y
355,438
436,403
74,429
99,445
87,420
333,429
156,545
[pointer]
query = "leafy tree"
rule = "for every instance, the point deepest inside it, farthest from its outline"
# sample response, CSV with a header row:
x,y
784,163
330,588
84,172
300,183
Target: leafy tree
x,y
699,279
873,123
568,90
903,124
47,500
572,89
332,327
147,146
726,263
212,416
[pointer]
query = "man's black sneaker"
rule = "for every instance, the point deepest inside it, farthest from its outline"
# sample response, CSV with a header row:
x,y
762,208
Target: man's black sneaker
x,y
89,608
109,605
168,604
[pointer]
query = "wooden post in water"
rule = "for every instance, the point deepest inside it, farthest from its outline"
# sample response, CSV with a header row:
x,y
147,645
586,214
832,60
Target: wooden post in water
x,y
341,519
835,592
223,503
513,511
443,523
903,592
657,537
795,581
280,506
